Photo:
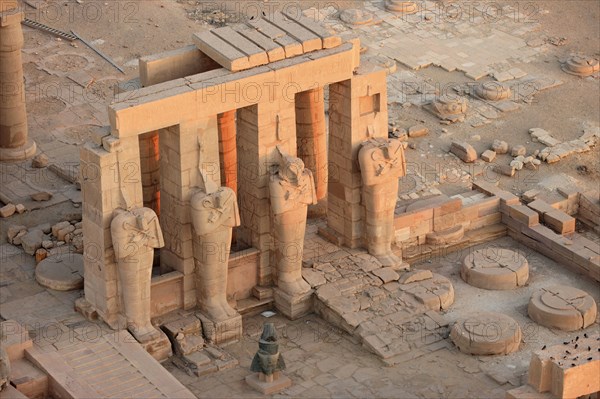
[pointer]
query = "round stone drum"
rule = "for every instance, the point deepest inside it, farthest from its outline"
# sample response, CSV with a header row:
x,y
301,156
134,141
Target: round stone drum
x,y
486,333
495,269
562,307
62,272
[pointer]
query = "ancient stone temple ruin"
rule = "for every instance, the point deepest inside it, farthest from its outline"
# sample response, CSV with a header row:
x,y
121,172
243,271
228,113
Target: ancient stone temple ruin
x,y
296,203
216,144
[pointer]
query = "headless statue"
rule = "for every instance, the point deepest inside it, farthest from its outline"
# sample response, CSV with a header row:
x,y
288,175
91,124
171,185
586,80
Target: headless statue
x,y
135,234
214,214
292,189
382,164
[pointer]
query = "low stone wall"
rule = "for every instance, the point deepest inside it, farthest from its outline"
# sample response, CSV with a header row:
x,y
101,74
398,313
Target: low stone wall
x,y
442,224
550,230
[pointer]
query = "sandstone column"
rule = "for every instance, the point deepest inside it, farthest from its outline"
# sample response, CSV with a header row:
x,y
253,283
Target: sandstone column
x,y
227,148
14,144
150,164
311,136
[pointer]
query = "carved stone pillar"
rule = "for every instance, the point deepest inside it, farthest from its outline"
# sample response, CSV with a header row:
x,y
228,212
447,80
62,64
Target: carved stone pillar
x,y
14,143
150,164
312,136
227,148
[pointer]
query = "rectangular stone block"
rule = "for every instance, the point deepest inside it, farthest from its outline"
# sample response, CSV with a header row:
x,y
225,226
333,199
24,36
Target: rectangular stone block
x,y
559,221
523,214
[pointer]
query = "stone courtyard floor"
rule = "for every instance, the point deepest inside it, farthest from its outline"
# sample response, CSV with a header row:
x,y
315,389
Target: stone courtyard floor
x,y
325,361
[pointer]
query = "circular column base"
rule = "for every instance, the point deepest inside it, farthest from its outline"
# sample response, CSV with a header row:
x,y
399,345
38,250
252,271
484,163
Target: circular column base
x,y
562,307
495,269
61,272
18,153
486,333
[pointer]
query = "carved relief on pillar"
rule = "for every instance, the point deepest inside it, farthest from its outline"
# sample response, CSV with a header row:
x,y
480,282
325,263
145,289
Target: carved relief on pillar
x,y
135,234
291,189
382,163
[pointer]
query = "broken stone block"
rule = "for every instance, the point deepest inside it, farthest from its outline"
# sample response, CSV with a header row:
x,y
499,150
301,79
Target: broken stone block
x,y
185,335
517,165
40,255
500,147
518,150
13,230
32,241
41,196
417,131
20,208
61,234
536,132
59,226
386,274
44,227
530,195
8,210
464,151
39,161
488,155
47,244
506,170
17,239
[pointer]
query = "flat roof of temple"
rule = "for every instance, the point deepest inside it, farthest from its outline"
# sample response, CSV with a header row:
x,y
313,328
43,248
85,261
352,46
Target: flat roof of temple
x,y
263,40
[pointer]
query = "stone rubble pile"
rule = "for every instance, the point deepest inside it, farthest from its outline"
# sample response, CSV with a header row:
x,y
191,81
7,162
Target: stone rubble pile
x,y
46,240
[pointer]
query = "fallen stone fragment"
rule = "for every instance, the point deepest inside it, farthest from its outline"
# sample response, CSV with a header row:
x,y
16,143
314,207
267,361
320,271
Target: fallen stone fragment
x,y
20,208
14,230
39,161
17,239
417,131
47,244
518,150
530,195
7,210
518,165
61,234
32,241
506,170
41,196
464,151
488,155
59,226
500,147
40,255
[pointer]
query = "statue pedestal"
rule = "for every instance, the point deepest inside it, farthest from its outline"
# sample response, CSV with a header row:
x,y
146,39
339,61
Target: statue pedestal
x,y
159,348
219,332
293,307
268,384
